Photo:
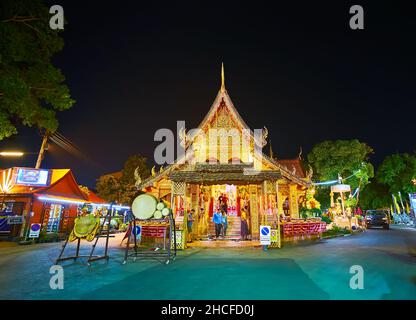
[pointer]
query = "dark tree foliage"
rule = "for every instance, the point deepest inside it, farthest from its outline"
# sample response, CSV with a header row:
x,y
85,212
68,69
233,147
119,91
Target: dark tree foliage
x,y
121,188
375,196
32,90
397,172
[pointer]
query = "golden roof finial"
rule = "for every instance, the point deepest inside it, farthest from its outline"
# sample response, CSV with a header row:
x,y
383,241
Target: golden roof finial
x,y
222,78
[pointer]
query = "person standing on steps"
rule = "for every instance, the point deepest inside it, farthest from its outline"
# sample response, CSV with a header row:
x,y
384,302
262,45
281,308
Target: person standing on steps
x,y
244,225
217,219
224,223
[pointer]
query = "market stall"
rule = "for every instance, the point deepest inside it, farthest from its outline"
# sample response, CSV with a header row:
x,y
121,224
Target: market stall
x,y
49,198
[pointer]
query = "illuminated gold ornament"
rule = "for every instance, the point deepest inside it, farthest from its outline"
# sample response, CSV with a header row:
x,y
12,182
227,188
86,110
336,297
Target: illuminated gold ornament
x,y
222,78
311,202
414,181
7,181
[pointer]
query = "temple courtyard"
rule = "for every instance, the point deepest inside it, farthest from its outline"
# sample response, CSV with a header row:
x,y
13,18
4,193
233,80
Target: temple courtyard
x,y
314,270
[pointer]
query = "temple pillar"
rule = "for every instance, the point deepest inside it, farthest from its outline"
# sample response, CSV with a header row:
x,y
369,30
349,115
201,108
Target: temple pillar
x,y
178,191
280,200
195,205
293,201
263,203
254,212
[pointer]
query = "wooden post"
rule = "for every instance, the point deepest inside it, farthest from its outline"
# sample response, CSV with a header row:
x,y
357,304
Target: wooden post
x,y
42,150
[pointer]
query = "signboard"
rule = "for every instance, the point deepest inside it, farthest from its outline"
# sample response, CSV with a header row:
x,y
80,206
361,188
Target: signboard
x,y
273,235
180,244
154,231
34,230
265,235
137,231
14,219
33,177
275,238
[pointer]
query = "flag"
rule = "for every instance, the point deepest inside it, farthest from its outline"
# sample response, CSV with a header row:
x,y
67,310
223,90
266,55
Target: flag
x,y
396,204
401,201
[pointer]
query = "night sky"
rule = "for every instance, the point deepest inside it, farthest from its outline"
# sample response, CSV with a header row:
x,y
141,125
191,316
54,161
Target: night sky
x,y
297,69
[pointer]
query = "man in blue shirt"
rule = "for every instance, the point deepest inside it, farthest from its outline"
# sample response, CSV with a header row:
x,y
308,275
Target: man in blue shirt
x,y
217,219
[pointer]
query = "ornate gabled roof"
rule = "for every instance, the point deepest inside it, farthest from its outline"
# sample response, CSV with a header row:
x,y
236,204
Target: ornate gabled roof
x,y
275,165
295,166
221,102
223,99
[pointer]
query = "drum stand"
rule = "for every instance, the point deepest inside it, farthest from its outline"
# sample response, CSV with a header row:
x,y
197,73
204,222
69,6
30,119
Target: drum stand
x,y
164,256
91,257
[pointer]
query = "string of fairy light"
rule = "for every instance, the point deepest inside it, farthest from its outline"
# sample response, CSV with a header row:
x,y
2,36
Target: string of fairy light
x,y
337,181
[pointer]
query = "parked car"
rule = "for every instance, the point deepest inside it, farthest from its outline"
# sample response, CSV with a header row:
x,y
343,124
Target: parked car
x,y
377,218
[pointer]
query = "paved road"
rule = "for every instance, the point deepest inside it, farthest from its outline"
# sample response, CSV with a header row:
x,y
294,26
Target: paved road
x,y
313,271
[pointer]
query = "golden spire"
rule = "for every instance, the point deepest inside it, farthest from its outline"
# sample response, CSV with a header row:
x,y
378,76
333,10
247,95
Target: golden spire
x,y
222,78
271,150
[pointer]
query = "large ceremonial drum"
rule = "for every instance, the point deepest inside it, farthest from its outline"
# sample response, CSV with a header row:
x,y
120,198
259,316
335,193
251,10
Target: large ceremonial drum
x,y
158,214
85,225
160,206
144,206
165,212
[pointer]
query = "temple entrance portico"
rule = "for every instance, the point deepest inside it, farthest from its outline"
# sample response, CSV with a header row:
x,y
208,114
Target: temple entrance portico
x,y
199,189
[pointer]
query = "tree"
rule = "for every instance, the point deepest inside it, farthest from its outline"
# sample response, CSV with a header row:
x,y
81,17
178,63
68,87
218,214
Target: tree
x,y
322,195
349,158
122,189
397,172
130,166
32,90
109,188
375,196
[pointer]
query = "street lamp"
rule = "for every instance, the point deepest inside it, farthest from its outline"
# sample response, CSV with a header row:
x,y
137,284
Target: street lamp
x,y
11,154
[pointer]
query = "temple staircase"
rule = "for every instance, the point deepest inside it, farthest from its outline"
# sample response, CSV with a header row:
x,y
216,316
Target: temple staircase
x,y
233,230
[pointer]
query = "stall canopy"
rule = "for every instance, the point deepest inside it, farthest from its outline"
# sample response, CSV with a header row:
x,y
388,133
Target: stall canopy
x,y
57,184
